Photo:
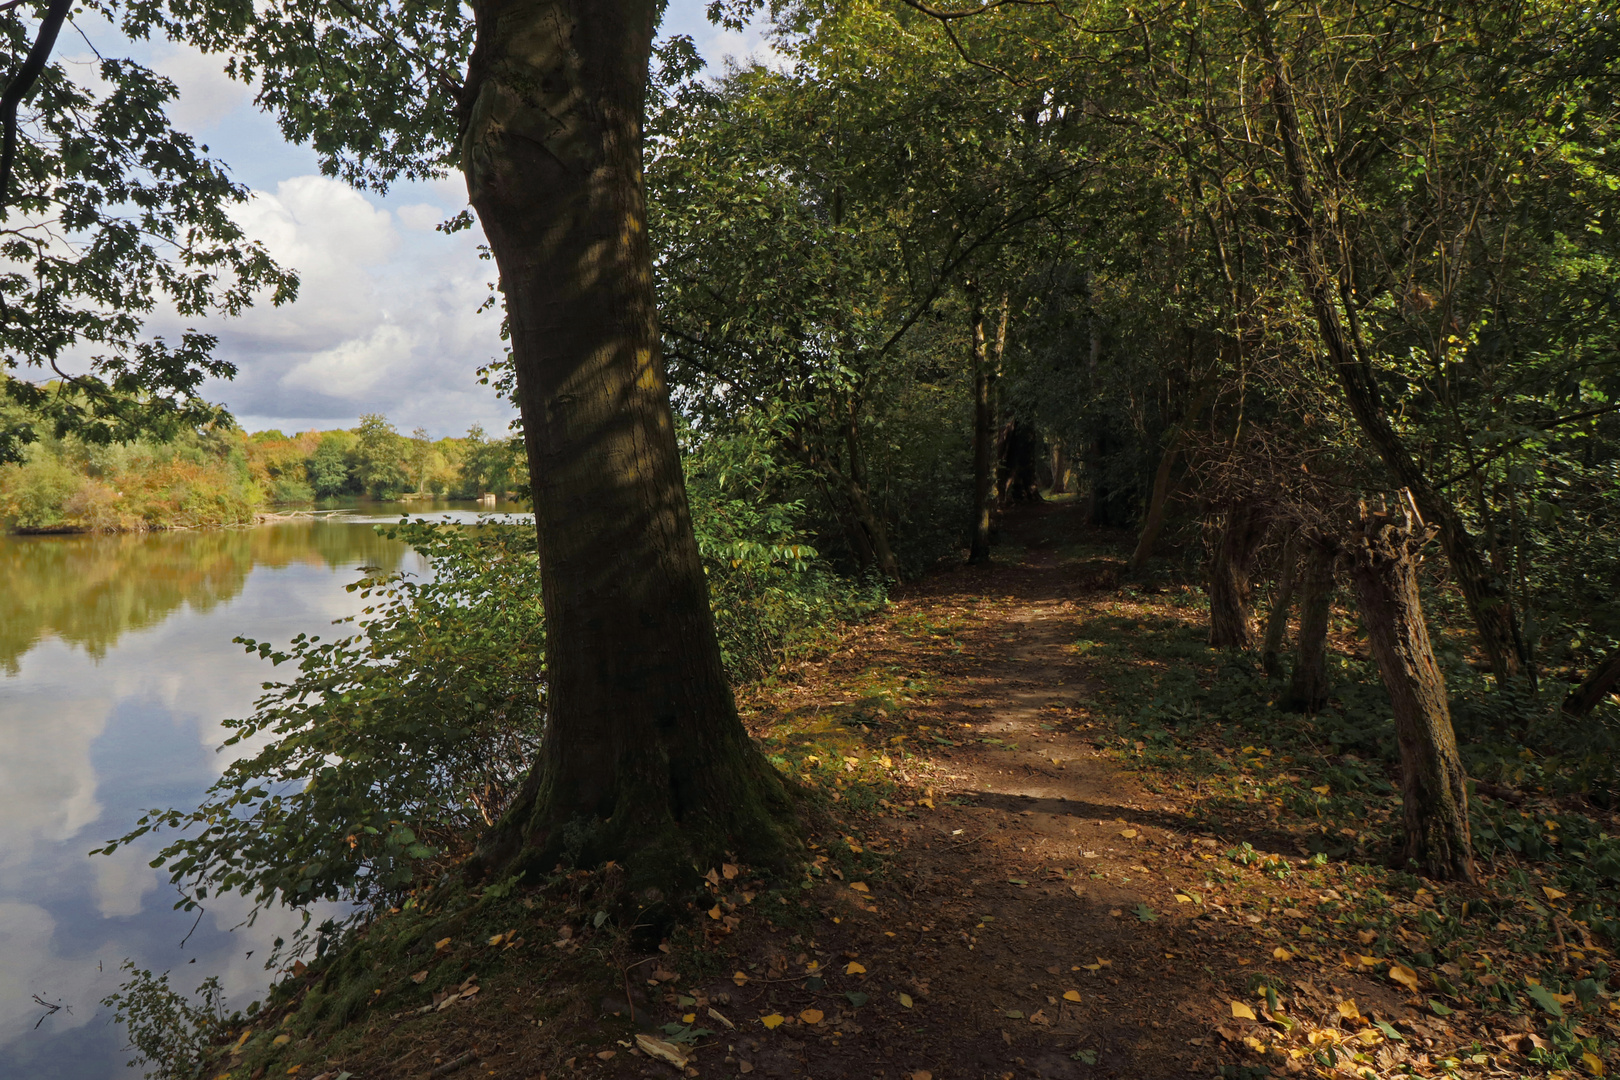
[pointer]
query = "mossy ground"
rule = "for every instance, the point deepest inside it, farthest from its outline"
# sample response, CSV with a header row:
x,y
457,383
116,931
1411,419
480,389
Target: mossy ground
x,y
1053,835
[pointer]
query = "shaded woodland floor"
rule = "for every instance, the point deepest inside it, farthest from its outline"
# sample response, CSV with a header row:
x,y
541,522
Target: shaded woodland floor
x,y
1008,883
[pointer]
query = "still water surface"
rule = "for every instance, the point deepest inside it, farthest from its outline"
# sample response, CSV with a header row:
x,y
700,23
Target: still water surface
x,y
116,668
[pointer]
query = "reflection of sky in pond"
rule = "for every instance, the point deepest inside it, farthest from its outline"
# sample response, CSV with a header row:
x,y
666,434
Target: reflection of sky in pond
x,y
116,668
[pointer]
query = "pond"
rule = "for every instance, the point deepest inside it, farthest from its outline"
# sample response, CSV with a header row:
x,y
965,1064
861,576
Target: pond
x,y
116,669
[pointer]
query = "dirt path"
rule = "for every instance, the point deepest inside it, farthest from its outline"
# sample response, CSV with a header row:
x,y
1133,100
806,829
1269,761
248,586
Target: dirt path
x,y
1031,916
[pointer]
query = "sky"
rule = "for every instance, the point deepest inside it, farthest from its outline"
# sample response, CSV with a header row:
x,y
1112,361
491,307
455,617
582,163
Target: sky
x,y
387,318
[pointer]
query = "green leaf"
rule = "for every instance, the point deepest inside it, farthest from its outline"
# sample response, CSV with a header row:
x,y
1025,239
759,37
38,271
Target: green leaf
x,y
1542,997
856,998
1145,913
1440,1009
1389,1031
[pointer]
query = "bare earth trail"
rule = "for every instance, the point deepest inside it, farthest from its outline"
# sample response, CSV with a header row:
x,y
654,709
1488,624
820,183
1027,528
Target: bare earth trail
x,y
1042,918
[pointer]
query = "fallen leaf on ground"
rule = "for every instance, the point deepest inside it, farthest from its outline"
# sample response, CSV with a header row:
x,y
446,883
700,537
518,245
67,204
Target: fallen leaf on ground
x,y
1404,975
852,968
1128,833
905,1000
1071,995
442,943
1348,1010
1039,1017
662,1050
1593,1063
714,1015
1183,898
607,1055
739,977
281,1040
1241,1011
1280,953
1552,893
728,870
922,1074
859,886
811,1016
775,1020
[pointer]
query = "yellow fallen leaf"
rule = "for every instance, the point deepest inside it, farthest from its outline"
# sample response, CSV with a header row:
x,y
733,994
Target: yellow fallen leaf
x,y
921,1074
739,977
1552,893
905,1000
689,1018
1092,967
497,939
1071,995
1348,1010
859,886
1593,1063
246,1035
813,966
668,1052
442,943
852,968
811,1016
1323,790
1404,975
728,870
281,1040
1280,953
1128,833
295,1070
1241,1011
775,1020
714,912
1368,961
1183,898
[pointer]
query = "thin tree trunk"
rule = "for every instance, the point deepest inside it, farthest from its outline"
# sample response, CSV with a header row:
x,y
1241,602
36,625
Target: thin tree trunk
x,y
1488,602
644,759
984,438
1434,790
1308,687
1231,596
1060,468
1159,499
1277,617
1598,685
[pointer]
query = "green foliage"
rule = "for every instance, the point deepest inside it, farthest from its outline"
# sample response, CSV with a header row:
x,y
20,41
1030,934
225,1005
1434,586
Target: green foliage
x,y
391,745
167,1031
112,213
380,458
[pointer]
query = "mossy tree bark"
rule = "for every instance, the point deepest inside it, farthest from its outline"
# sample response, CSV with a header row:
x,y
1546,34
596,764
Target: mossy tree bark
x,y
1231,594
1281,603
644,759
1308,686
1383,555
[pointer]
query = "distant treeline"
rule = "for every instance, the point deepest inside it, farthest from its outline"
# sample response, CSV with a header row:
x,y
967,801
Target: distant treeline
x,y
220,475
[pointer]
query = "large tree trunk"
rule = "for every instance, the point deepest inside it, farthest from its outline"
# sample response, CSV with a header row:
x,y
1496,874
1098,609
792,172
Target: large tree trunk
x,y
644,759
1434,790
1231,596
1308,688
1277,618
1598,685
984,438
1488,602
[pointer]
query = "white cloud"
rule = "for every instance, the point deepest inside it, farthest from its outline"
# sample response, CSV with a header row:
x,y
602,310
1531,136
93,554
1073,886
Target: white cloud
x,y
423,217
207,94
353,368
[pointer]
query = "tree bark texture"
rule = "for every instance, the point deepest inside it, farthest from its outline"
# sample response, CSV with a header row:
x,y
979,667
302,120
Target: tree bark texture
x,y
1282,602
1308,686
1159,497
1482,589
1231,595
1598,685
644,759
1383,557
984,437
